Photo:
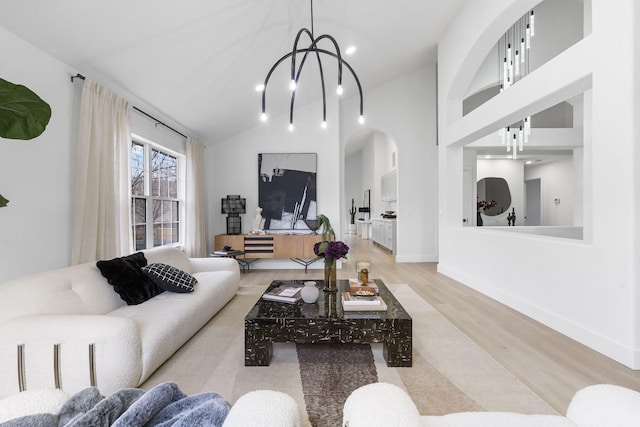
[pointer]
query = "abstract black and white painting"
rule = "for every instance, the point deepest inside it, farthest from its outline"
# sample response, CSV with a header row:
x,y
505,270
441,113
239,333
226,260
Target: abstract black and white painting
x,y
287,190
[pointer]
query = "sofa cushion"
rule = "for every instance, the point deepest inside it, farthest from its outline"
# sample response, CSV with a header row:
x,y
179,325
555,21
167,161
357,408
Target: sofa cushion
x,y
169,278
126,276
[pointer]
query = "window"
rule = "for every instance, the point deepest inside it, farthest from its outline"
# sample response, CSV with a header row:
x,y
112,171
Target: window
x,y
155,203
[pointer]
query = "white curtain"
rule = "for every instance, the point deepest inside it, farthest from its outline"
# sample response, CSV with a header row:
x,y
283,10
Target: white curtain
x,y
195,239
101,221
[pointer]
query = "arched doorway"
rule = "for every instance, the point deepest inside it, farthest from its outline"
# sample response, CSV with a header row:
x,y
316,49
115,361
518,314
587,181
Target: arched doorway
x,y
370,167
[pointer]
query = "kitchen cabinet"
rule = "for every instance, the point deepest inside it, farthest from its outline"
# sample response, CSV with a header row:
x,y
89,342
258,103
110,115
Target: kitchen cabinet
x,y
383,233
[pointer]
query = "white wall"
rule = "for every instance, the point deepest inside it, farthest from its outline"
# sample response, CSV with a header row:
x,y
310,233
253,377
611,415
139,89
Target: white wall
x,y
405,111
37,175
557,182
232,165
585,289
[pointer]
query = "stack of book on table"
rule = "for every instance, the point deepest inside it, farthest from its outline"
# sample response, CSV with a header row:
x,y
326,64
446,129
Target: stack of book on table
x,y
353,302
288,294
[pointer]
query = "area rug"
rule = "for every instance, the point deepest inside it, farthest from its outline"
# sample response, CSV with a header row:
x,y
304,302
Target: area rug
x,y
329,373
449,374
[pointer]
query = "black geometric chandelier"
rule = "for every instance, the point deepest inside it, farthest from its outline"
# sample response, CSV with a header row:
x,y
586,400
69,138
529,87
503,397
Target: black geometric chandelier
x,y
299,57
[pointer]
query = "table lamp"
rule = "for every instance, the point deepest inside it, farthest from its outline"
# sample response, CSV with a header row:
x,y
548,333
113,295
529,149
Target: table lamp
x,y
233,206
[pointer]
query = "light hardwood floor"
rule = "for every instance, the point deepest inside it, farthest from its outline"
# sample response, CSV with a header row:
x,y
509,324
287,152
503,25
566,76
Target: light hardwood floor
x,y
549,363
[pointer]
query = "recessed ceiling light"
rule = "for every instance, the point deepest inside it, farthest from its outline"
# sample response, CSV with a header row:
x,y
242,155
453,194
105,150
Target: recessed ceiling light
x,y
528,162
350,50
488,156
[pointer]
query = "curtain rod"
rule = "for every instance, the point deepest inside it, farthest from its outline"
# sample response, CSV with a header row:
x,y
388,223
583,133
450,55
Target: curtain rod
x,y
158,122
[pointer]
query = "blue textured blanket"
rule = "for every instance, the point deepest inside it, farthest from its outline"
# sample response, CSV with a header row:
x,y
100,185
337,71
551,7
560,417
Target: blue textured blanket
x,y
163,406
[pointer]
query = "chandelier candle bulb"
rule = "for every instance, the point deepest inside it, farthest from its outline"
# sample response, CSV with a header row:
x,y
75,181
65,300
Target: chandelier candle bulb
x,y
504,72
520,138
532,24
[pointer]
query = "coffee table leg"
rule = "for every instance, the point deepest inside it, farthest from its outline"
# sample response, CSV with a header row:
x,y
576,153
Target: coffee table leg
x,y
398,346
257,348
258,353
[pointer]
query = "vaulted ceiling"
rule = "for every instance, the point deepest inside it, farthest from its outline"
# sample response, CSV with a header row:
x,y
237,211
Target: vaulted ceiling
x,y
198,61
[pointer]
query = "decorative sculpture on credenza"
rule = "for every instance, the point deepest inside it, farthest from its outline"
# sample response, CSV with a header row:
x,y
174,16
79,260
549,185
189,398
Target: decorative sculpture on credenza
x,y
258,221
233,206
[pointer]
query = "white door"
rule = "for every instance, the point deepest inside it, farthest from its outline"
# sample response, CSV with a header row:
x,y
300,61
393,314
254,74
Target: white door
x,y
468,211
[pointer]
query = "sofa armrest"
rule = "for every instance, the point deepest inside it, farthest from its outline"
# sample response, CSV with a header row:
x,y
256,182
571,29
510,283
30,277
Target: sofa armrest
x,y
199,265
264,408
604,404
116,354
380,405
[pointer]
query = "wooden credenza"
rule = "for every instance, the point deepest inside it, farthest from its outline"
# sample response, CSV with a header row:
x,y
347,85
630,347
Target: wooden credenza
x,y
294,246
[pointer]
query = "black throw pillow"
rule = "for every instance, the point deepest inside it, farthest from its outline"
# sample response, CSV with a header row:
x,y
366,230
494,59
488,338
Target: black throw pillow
x,y
170,278
126,276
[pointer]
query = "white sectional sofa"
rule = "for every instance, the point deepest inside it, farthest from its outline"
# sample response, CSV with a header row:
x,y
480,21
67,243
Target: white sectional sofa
x,y
62,327
594,406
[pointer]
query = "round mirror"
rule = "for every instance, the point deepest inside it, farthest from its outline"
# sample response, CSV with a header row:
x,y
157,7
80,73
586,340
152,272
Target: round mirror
x,y
494,196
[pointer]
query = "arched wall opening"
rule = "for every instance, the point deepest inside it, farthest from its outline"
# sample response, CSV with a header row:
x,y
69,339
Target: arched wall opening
x,y
370,161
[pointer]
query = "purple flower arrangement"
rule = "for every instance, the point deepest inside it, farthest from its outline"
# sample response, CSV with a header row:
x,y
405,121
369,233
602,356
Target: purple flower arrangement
x,y
330,251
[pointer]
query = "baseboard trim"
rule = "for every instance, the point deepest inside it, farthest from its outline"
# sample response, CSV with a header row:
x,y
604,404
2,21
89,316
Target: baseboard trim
x,y
614,350
416,258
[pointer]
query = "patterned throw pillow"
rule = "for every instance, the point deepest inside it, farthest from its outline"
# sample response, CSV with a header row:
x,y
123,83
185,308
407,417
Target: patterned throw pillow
x,y
169,278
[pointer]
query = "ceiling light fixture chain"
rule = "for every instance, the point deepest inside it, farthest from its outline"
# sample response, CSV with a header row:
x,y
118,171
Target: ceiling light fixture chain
x,y
298,64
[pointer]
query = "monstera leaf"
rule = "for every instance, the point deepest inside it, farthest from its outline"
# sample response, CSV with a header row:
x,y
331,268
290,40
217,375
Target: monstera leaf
x,y
23,114
3,201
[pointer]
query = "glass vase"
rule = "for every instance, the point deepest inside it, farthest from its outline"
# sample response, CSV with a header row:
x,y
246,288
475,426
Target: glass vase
x,y
330,284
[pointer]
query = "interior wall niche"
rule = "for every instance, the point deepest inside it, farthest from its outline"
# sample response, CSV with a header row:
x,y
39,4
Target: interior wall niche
x,y
559,25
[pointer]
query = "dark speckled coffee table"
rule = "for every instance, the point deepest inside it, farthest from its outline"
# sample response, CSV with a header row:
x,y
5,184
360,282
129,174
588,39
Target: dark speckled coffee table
x,y
326,322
